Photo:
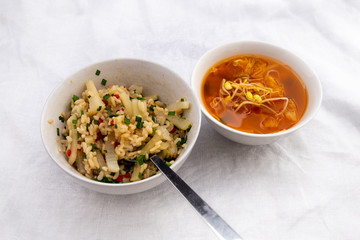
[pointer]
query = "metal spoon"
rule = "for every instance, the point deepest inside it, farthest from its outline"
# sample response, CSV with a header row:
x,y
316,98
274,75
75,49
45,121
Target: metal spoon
x,y
216,223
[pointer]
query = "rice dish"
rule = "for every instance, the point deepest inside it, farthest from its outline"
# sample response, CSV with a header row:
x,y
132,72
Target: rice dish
x,y
110,133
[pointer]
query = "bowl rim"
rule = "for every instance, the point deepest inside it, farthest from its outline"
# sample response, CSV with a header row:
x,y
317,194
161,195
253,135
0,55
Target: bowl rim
x,y
76,175
298,125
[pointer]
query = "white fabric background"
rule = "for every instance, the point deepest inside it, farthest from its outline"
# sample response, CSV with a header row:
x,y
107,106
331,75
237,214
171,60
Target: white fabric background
x,y
305,186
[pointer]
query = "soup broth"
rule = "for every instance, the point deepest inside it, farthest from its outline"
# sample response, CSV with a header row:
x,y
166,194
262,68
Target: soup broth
x,y
254,94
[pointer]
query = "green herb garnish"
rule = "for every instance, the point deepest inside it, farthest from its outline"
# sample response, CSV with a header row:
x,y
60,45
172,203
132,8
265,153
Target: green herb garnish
x,y
89,96
74,126
61,118
126,120
97,73
94,146
180,143
140,98
74,98
82,112
116,126
139,125
99,108
106,96
103,82
167,163
140,175
114,115
58,131
182,100
151,108
74,121
96,122
140,159
171,113
138,119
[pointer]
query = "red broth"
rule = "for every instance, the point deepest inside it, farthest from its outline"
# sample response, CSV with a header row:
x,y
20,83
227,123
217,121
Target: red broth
x,y
281,95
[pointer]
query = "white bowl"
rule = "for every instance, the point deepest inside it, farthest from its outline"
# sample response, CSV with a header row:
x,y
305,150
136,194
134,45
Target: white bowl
x,y
217,54
155,79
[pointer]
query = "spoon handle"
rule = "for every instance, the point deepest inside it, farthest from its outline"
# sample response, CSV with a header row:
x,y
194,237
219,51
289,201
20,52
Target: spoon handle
x,y
216,223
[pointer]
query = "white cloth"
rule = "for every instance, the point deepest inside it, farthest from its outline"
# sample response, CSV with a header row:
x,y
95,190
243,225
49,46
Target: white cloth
x,y
305,186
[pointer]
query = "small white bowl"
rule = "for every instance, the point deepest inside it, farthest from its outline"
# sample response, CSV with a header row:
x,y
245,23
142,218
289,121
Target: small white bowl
x,y
217,54
155,79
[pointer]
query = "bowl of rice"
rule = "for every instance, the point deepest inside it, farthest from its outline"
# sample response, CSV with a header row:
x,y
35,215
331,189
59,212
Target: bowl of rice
x,y
101,124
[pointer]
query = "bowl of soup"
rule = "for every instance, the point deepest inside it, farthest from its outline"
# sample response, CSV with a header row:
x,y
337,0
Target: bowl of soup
x,y
254,92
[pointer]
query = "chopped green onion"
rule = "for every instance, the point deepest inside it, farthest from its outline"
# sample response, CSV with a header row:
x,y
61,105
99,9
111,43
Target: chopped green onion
x,y
82,112
87,126
106,96
182,100
131,98
154,130
74,121
180,143
116,126
99,108
89,96
140,159
138,119
61,118
151,108
103,82
126,120
94,146
114,115
153,118
140,175
171,113
84,157
97,73
140,98
167,163
105,151
70,104
74,126
139,125
96,122
58,131
78,135
74,98
188,129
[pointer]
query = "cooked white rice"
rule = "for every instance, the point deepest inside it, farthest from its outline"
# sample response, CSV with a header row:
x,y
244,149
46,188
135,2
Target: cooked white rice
x,y
110,133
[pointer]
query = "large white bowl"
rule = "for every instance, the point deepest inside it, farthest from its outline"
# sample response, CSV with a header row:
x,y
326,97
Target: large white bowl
x,y
217,54
155,79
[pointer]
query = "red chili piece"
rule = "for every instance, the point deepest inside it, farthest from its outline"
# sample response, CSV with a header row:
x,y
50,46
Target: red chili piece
x,y
68,152
116,95
100,121
116,144
112,122
127,175
120,178
173,130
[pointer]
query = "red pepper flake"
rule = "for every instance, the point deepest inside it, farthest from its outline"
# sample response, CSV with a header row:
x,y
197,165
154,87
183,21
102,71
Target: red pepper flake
x,y
100,121
116,144
120,178
116,95
173,130
112,123
122,109
68,152
127,175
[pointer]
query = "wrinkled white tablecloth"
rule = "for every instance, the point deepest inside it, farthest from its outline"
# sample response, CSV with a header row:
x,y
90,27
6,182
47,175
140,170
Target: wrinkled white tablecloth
x,y
305,186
